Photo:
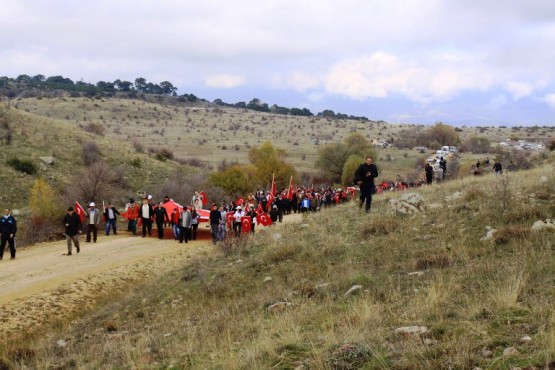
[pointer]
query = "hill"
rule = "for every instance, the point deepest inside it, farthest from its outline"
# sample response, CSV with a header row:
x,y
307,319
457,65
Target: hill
x,y
205,135
341,289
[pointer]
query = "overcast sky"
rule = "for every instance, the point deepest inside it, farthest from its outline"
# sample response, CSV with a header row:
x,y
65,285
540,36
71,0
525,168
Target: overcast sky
x,y
467,62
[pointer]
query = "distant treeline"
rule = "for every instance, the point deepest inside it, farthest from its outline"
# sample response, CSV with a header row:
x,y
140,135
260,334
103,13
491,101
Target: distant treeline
x,y
29,86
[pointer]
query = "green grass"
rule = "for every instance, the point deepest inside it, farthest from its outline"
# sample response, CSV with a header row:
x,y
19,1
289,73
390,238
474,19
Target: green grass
x,y
474,296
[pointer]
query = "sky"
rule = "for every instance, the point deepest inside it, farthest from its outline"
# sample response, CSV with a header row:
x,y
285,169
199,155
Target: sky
x,y
460,62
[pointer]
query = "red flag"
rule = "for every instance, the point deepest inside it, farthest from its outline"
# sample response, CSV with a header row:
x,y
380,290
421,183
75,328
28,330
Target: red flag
x,y
246,224
290,190
80,211
263,218
240,201
203,198
229,219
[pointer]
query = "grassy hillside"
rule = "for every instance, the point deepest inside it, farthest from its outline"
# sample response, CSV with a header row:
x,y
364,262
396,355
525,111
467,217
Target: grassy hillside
x,y
280,300
36,136
210,134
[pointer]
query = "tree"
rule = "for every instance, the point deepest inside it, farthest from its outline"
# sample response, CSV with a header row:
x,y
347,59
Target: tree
x,y
332,157
327,113
270,161
233,180
476,144
140,84
123,85
44,201
167,88
439,135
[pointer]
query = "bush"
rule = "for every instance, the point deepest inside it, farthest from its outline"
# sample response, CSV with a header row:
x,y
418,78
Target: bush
x,y
95,128
90,153
22,165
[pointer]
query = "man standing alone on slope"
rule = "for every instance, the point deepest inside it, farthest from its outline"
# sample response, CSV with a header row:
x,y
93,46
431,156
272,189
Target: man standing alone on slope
x,y
364,177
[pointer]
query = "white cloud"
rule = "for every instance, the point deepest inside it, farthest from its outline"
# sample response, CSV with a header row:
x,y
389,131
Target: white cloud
x,y
550,99
224,81
519,89
296,80
380,75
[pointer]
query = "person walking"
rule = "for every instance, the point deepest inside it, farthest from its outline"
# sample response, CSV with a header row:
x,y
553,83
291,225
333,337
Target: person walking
x,y
429,173
8,228
364,176
146,213
497,167
73,229
185,225
222,225
161,217
174,218
110,213
443,166
195,218
237,220
252,214
132,216
93,221
215,218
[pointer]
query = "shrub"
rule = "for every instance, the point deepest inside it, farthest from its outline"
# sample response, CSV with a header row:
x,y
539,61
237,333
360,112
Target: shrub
x,y
90,153
95,128
433,261
349,356
22,165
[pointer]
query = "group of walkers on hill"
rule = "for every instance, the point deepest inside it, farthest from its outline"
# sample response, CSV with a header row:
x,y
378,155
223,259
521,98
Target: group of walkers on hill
x,y
236,217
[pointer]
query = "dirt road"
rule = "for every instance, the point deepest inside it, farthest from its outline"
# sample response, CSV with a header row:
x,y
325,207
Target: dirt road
x,y
42,282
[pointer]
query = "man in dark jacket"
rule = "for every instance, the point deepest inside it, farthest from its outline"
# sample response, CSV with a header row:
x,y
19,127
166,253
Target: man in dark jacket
x,y
161,216
215,218
110,216
8,228
73,226
364,176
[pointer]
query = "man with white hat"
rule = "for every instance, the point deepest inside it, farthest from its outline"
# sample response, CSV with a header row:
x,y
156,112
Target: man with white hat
x,y
237,220
93,221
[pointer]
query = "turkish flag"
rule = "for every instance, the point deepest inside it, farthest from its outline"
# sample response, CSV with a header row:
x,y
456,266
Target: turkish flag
x,y
263,218
246,224
290,190
240,201
229,219
80,211
272,193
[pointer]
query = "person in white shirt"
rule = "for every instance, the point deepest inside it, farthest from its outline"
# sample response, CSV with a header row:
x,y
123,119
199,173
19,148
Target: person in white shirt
x,y
237,220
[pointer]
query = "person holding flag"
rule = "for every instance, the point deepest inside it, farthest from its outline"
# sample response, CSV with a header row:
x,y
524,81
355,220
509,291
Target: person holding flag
x,y
73,229
237,220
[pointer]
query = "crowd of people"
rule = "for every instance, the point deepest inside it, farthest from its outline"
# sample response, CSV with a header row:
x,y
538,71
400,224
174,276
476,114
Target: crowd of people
x,y
224,219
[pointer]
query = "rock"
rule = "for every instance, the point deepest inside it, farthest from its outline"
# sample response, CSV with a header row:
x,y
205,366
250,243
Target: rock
x,y
510,351
305,225
239,261
486,353
412,330
542,179
322,286
47,160
61,343
526,339
276,236
278,306
490,234
408,203
267,279
541,225
435,205
430,342
416,273
455,195
352,290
